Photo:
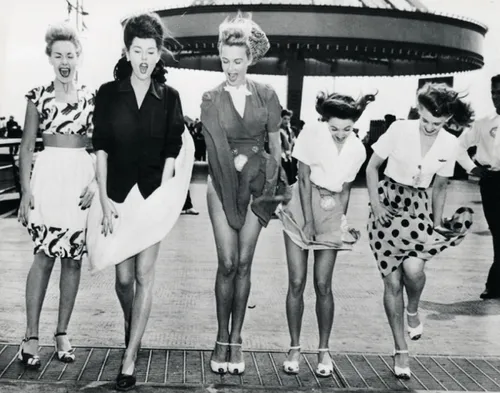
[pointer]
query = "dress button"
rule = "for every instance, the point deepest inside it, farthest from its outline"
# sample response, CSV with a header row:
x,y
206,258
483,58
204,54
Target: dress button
x,y
234,151
255,149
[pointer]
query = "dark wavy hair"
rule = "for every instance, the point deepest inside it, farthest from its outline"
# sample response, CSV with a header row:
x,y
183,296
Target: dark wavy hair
x,y
341,106
143,26
442,101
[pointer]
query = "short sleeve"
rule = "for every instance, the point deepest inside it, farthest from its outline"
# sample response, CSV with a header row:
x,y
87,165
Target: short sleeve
x,y
34,96
388,141
302,148
175,127
102,133
358,158
273,112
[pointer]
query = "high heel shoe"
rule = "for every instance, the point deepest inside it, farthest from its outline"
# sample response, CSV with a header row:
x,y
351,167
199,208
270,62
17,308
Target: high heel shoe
x,y
324,370
219,367
236,368
126,380
28,359
64,356
291,366
401,372
416,332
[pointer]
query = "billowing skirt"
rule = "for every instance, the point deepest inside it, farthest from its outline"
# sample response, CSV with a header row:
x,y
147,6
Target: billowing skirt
x,y
411,232
331,227
141,222
57,224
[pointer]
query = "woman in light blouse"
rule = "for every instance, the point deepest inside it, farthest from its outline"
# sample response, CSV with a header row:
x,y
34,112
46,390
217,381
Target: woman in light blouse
x,y
330,156
406,226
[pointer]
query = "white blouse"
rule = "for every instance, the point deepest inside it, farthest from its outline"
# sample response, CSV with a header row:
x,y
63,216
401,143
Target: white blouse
x,y
483,134
329,168
239,96
401,145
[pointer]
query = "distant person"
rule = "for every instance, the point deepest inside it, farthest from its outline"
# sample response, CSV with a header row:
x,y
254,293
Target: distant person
x,y
485,136
287,140
3,127
56,196
188,207
389,119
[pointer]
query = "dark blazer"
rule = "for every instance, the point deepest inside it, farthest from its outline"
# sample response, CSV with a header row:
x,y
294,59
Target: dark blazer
x,y
137,141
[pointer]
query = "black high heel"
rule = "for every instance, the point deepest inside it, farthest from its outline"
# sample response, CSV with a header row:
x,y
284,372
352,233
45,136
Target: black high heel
x,y
29,360
125,382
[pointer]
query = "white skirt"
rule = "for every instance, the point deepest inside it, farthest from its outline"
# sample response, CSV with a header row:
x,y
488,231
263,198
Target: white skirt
x,y
141,222
57,224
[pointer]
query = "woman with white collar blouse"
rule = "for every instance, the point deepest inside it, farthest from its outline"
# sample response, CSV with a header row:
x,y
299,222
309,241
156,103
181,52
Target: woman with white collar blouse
x,y
330,156
406,226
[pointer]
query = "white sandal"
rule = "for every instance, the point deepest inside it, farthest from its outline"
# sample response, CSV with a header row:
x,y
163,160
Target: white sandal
x,y
219,367
236,368
324,370
291,366
401,372
416,332
64,356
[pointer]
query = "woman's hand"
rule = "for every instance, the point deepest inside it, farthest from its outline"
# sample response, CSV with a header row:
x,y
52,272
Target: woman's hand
x,y
109,214
87,195
381,214
443,230
27,203
309,230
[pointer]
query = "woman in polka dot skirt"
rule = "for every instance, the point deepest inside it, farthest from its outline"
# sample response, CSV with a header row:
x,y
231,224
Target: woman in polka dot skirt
x,y
405,227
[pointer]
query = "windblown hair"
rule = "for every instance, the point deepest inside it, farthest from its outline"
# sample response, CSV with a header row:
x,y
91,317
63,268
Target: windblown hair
x,y
143,26
241,31
442,101
341,106
62,32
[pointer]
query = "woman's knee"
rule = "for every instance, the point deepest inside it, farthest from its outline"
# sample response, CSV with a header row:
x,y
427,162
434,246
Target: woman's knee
x,y
323,288
413,270
296,286
393,283
227,265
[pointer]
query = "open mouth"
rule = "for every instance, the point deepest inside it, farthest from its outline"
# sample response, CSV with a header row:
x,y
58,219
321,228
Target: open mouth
x,y
232,77
143,68
64,71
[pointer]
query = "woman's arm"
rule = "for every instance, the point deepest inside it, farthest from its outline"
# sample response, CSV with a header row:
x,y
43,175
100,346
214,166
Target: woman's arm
x,y
174,135
372,180
27,148
344,196
275,146
438,199
305,192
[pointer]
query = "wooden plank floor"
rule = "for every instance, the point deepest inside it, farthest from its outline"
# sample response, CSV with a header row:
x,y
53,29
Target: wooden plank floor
x,y
190,368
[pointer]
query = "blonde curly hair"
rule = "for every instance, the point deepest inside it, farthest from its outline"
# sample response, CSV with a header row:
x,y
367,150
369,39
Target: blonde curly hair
x,y
61,32
243,31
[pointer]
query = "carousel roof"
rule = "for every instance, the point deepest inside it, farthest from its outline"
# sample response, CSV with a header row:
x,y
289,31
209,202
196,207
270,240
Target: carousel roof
x,y
332,37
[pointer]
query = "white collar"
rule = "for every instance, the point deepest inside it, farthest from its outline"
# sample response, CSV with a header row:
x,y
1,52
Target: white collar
x,y
243,89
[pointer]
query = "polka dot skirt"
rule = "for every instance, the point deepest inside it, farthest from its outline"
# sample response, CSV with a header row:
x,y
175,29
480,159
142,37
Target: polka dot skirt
x,y
411,232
